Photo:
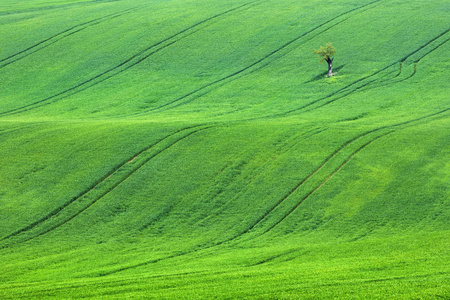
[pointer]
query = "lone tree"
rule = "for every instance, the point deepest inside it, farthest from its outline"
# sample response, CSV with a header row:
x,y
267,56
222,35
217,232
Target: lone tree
x,y
326,54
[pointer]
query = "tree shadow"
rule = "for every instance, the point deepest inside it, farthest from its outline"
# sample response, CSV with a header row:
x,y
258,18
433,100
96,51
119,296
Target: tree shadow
x,y
325,74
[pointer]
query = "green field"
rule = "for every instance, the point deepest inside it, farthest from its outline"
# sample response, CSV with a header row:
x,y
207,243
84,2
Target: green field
x,y
195,149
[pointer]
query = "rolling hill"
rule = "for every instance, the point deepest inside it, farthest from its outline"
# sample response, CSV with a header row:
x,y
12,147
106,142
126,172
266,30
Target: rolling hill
x,y
195,149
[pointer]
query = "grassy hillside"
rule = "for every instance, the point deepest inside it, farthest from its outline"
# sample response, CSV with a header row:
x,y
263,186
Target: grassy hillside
x,y
195,149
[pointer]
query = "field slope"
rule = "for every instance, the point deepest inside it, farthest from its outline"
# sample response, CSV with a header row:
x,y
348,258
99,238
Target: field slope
x,y
193,149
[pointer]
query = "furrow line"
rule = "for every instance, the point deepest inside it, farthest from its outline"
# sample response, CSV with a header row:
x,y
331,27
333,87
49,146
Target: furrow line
x,y
56,211
388,82
401,68
110,189
298,186
219,82
432,50
391,130
389,127
424,45
257,171
420,58
408,56
332,94
59,36
88,83
53,7
349,90
234,237
273,257
325,181
123,66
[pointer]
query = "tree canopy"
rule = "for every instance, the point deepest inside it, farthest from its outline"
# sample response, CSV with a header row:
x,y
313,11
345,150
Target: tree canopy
x,y
326,53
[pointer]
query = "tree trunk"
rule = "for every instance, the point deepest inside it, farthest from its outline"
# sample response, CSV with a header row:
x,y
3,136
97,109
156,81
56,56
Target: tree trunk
x,y
330,67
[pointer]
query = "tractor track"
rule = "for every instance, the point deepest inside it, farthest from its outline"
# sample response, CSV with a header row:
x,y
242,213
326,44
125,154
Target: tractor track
x,y
303,181
123,66
54,7
395,80
389,128
250,228
98,184
348,90
257,171
323,182
61,35
269,259
257,65
416,62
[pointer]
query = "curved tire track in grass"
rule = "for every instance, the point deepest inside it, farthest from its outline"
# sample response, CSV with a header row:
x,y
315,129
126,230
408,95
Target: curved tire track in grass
x,y
323,182
199,92
389,129
261,219
257,171
271,258
123,66
105,185
350,89
415,63
59,36
329,160
54,7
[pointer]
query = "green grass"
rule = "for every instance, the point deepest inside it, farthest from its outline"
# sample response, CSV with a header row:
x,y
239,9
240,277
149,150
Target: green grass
x,y
195,149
